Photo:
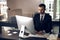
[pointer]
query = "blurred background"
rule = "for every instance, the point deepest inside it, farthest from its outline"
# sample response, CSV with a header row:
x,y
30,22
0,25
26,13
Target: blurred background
x,y
10,8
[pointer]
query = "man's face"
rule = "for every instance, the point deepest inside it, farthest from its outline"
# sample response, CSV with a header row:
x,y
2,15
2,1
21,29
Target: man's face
x,y
41,10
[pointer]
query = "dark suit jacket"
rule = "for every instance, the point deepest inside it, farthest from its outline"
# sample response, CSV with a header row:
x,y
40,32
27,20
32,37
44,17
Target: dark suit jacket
x,y
46,24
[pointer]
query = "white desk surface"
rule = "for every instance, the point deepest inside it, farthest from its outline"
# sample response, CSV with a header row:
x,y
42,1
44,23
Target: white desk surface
x,y
48,36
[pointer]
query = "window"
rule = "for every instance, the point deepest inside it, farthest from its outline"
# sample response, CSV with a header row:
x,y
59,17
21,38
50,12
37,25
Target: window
x,y
3,8
58,8
52,7
49,6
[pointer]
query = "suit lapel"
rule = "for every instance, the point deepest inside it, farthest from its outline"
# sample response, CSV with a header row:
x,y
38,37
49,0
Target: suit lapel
x,y
39,17
44,17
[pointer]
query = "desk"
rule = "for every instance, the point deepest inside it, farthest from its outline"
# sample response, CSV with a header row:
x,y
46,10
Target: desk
x,y
5,36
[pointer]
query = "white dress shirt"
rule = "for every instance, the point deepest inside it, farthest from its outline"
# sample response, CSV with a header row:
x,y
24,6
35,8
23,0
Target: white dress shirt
x,y
41,16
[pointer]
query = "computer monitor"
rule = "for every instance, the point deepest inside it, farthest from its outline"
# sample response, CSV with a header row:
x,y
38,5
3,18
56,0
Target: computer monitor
x,y
26,21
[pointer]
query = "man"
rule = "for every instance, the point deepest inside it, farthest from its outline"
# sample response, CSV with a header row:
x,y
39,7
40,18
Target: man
x,y
42,21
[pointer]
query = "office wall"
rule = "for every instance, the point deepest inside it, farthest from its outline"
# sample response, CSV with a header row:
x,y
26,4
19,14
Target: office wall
x,y
28,7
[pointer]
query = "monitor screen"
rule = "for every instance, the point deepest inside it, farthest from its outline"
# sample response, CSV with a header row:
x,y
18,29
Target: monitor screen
x,y
26,21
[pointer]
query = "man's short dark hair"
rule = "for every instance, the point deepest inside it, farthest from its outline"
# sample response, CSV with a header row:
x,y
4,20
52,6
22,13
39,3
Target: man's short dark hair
x,y
42,5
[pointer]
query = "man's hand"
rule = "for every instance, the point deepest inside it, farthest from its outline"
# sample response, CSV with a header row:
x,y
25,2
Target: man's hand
x,y
40,32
